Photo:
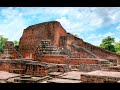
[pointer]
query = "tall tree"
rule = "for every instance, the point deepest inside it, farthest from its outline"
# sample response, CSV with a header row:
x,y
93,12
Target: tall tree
x,y
117,47
2,42
108,44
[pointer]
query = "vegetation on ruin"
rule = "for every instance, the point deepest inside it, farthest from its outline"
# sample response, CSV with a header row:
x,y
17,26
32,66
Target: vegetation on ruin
x,y
117,47
2,43
16,43
109,43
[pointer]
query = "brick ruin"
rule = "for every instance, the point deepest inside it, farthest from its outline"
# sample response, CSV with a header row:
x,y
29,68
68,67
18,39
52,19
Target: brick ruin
x,y
65,43
100,77
10,51
47,47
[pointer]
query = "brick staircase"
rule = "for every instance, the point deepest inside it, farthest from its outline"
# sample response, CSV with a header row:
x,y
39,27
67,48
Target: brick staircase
x,y
86,50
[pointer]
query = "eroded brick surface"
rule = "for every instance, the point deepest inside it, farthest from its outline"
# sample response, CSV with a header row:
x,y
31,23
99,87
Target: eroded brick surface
x,y
72,46
47,43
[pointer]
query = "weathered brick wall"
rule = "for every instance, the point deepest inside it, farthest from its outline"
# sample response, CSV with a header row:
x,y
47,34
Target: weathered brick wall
x,y
33,34
17,71
89,67
63,68
77,61
36,70
86,67
30,68
11,50
81,54
54,31
69,40
28,55
39,70
63,59
73,39
114,68
59,59
15,54
6,66
103,54
98,79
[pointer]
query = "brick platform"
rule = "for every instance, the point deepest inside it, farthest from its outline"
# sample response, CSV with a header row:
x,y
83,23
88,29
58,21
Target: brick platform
x,y
100,77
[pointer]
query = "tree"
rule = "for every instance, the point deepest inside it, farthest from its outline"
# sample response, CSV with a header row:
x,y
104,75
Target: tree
x,y
2,43
108,44
117,47
16,43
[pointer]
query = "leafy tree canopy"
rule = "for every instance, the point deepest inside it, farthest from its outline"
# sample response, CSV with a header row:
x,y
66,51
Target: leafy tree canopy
x,y
16,43
2,42
108,44
117,47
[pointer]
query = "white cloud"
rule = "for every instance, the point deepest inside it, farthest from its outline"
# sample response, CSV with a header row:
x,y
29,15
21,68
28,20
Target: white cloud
x,y
1,32
79,21
75,20
109,34
68,25
92,36
96,39
118,27
117,39
96,42
12,23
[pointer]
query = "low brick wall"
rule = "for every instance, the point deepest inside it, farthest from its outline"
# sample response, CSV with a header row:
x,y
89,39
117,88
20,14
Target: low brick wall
x,y
28,55
36,70
7,66
114,68
77,61
89,67
43,70
17,71
102,53
63,59
86,67
59,59
21,68
31,67
98,79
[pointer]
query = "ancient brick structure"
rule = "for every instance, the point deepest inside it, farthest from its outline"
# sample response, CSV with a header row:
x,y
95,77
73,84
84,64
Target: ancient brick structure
x,y
33,34
100,77
59,59
30,67
68,44
101,53
47,47
10,52
114,68
7,65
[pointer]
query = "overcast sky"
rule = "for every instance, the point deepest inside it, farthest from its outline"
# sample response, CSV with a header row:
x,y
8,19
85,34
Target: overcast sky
x,y
92,24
